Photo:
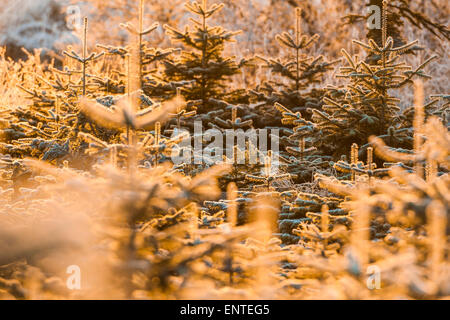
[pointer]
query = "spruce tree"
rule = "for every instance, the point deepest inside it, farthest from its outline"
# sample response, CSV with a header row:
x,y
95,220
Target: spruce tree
x,y
396,12
365,106
145,59
294,76
52,122
203,62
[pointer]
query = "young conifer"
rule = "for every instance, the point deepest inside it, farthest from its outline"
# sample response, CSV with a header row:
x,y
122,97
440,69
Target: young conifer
x,y
292,85
203,63
145,57
396,13
366,105
84,59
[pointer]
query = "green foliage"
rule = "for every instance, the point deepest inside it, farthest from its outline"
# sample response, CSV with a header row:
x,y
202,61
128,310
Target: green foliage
x,y
366,105
294,77
203,62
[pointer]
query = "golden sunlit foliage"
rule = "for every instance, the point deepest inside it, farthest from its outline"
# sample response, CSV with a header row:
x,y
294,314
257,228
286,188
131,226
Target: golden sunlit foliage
x,y
350,201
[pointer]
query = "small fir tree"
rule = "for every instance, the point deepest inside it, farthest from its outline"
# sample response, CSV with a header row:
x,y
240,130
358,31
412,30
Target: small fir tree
x,y
203,62
366,105
292,86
